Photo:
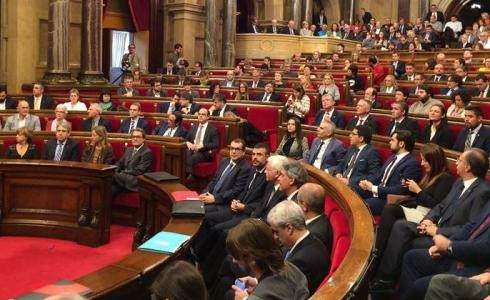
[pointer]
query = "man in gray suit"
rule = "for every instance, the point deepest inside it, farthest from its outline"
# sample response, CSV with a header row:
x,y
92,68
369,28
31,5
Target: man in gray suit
x,y
136,161
23,119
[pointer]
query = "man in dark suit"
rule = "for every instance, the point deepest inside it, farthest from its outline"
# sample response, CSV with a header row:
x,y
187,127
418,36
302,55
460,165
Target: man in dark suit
x,y
6,102
429,38
290,29
438,74
134,120
127,88
171,106
293,176
202,141
136,161
38,100
398,65
254,27
401,165
347,34
229,81
311,198
434,12
463,204
220,107
409,72
302,248
362,160
319,19
370,94
156,89
62,148
475,135
401,121
187,105
94,119
326,151
328,112
181,78
170,69
363,108
483,89
256,81
269,95
173,127
274,28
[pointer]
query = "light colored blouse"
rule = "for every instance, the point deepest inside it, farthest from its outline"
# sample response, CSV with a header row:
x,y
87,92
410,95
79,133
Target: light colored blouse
x,y
299,108
80,106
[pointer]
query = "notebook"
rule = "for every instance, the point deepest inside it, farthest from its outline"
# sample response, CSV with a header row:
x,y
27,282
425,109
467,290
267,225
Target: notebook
x,y
188,209
164,242
160,176
64,286
185,195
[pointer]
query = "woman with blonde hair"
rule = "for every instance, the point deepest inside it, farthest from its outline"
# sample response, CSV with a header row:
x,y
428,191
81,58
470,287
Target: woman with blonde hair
x,y
60,113
329,88
98,150
389,85
74,103
242,93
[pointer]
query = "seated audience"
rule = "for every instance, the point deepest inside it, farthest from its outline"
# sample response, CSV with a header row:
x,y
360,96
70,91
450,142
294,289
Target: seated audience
x,y
136,160
60,113
38,100
302,248
127,88
98,150
389,85
409,72
5,101
134,121
75,103
425,101
220,107
328,87
172,105
438,73
214,89
401,95
181,78
94,119
398,65
172,127
242,92
269,94
187,105
156,89
462,204
402,164
437,131
475,135
202,141
179,280
370,95
293,144
23,148
355,82
454,83
105,101
252,245
298,104
401,121
379,72
293,176
460,99
483,90
229,80
326,151
256,81
362,160
62,147
305,83
329,113
449,286
363,108
22,119
278,83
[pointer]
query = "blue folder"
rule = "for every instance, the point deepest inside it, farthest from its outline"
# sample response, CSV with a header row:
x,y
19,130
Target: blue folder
x,y
164,242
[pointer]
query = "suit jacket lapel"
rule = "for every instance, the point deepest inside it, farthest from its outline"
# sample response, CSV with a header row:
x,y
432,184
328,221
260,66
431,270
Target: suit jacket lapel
x,y
328,149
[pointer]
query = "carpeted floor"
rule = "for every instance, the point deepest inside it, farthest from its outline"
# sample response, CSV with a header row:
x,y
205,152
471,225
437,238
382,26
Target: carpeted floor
x,y
28,263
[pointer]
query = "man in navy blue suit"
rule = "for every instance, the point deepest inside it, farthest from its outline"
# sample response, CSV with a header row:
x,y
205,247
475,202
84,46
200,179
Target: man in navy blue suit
x,y
173,127
6,102
467,253
134,120
401,165
326,151
171,106
475,135
362,160
329,112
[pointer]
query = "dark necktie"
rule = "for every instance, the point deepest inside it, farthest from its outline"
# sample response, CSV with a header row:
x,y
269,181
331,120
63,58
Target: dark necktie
x,y
270,198
467,143
59,151
352,162
315,156
387,172
361,121
437,78
131,126
395,127
221,180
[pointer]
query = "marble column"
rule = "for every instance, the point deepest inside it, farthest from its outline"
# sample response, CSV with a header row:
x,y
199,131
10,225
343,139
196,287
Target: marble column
x,y
211,34
308,10
91,47
297,12
229,32
58,71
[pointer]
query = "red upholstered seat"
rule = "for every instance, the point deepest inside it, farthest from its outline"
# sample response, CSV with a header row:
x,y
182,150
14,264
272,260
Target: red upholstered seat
x,y
265,119
383,121
242,111
330,206
338,253
128,199
76,123
142,90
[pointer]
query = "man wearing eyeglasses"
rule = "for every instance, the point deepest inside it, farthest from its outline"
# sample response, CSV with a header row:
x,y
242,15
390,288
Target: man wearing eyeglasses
x,y
136,161
134,121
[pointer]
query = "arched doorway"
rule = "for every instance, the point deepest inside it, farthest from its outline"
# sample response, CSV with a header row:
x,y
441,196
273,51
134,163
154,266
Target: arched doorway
x,y
468,11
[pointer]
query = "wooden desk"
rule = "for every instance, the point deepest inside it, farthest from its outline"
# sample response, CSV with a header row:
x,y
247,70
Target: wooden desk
x,y
64,200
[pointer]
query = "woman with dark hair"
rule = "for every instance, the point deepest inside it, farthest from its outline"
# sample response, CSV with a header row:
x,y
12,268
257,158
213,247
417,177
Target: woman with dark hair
x,y
430,64
335,31
460,100
278,83
23,148
242,93
252,245
429,191
179,281
293,144
214,89
105,101
298,104
98,150
437,131
381,42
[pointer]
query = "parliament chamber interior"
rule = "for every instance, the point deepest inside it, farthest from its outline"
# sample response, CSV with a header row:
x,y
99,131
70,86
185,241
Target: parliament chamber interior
x,y
299,149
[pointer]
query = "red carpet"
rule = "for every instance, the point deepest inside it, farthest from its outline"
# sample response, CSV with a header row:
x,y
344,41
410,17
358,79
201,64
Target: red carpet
x,y
28,263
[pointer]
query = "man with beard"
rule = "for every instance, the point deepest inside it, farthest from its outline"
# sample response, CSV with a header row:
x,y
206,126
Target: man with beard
x,y
475,135
425,102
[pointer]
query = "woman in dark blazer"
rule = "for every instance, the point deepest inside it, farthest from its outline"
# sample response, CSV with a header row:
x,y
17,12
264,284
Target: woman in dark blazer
x,y
437,131
432,189
294,144
98,151
23,148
